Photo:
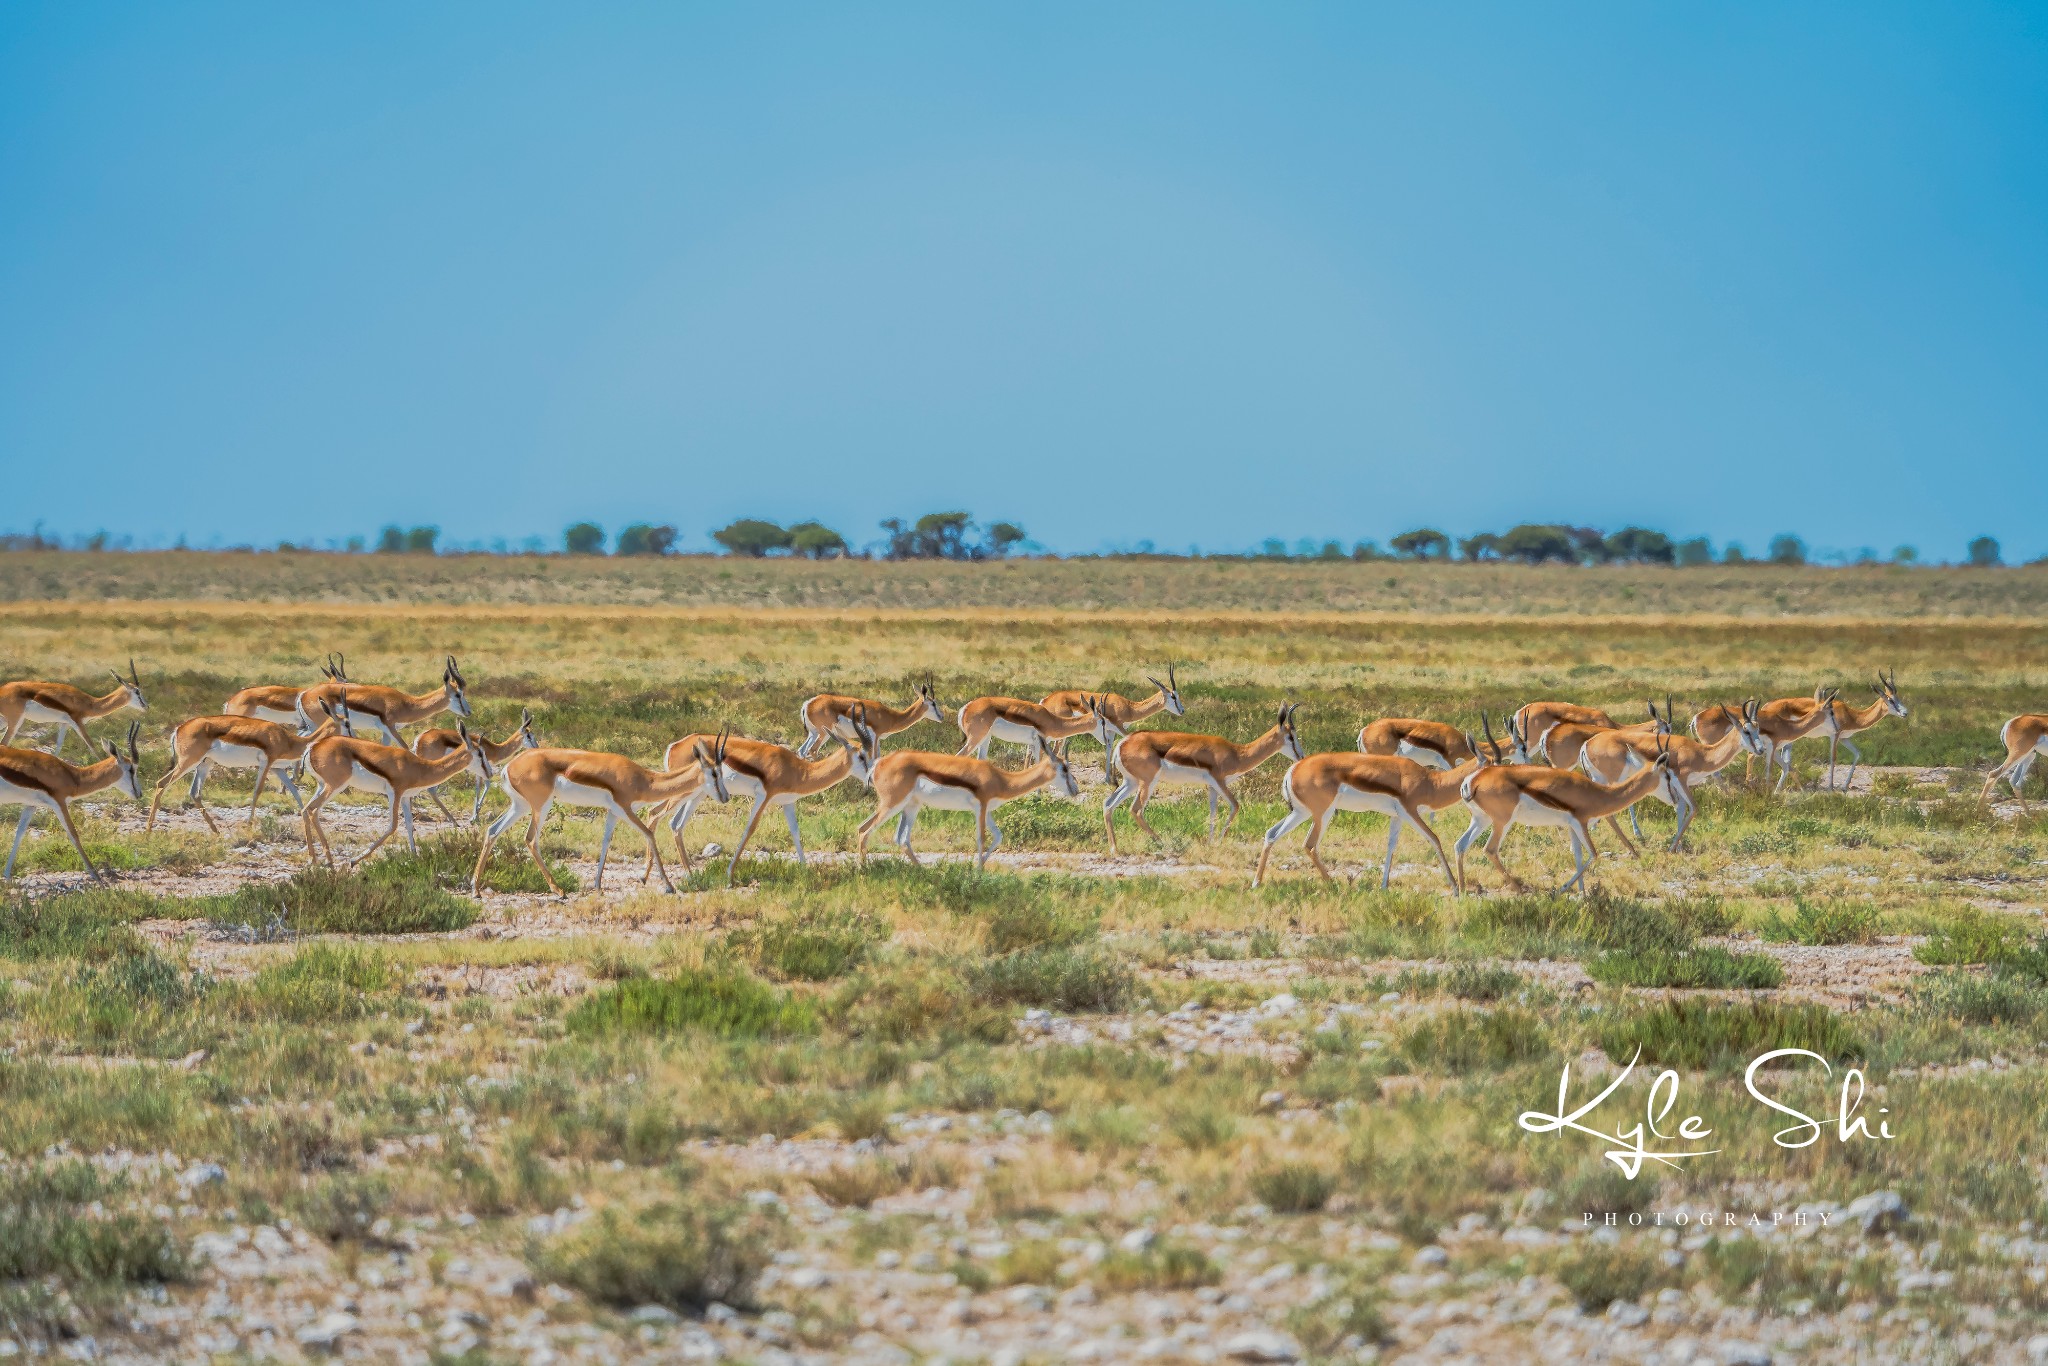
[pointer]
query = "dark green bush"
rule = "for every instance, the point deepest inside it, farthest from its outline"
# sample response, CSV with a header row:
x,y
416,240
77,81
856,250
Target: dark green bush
x,y
730,1004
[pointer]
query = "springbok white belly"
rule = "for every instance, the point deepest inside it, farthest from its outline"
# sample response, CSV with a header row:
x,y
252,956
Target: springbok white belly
x,y
364,780
1529,811
583,794
12,795
276,714
224,755
738,784
1013,732
1428,758
33,710
1352,799
947,797
1181,773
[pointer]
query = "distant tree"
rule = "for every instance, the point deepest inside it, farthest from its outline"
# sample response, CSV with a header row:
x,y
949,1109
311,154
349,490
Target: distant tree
x,y
1693,553
1734,554
1003,536
1588,544
816,541
355,545
420,540
584,538
1787,549
1481,545
1423,543
391,541
943,535
1331,551
1638,545
1866,555
752,537
1905,554
1367,550
1273,548
641,538
1984,552
1533,544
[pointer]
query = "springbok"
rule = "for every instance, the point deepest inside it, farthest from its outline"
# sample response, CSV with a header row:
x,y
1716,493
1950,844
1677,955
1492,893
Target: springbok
x,y
65,707
2025,736
389,708
1151,757
832,714
433,744
773,775
908,781
1613,755
1840,721
341,762
536,779
1499,795
36,781
204,743
1029,724
1535,720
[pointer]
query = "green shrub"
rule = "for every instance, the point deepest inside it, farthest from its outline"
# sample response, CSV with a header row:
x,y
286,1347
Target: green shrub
x,y
52,1226
1697,968
321,982
1981,998
1464,1040
1477,982
1698,1033
1056,978
1823,923
1165,1266
917,1002
89,924
1973,937
448,861
729,1004
1036,923
1599,1273
1549,924
1294,1187
812,944
323,901
683,1256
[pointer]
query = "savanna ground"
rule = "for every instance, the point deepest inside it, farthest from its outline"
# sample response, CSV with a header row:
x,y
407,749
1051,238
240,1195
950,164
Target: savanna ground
x,y
1076,1106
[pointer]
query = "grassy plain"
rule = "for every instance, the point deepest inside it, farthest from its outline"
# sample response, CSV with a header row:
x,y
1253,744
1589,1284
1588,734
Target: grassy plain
x,y
1182,1110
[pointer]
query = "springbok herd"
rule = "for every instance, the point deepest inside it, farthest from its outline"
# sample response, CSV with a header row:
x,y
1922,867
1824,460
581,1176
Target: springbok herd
x,y
1555,764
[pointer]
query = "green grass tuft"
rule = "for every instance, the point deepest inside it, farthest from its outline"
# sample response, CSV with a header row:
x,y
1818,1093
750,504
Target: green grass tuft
x,y
729,1004
1697,1033
682,1256
1703,968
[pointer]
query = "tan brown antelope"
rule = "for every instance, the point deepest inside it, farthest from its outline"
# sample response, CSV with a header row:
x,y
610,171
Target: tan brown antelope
x,y
1839,721
1502,795
36,781
279,702
65,707
1612,755
2025,736
341,762
908,781
1402,789
1779,722
1561,747
832,714
536,779
1151,757
773,775
1029,724
1535,720
433,744
1121,710
387,709
1433,744
204,743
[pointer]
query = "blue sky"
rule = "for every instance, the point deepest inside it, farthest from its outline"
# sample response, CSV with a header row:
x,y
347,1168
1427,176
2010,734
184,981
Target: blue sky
x,y
1194,274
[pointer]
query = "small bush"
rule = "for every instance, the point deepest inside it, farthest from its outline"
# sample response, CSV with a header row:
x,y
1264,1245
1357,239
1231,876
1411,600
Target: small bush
x,y
1707,968
812,944
1057,979
732,1005
51,1226
1973,937
1698,1033
1037,923
320,982
1823,923
1549,923
1477,982
91,924
906,1004
683,1256
1981,999
323,901
1458,1041
1600,1273
1294,1187
1166,1266
860,1184
1203,1127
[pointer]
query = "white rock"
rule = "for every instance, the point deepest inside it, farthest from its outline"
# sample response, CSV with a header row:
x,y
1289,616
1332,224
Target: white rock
x,y
1262,1345
1138,1240
654,1313
1281,1004
1627,1313
327,1331
202,1174
1879,1212
1745,1354
807,1278
2037,1348
1430,1258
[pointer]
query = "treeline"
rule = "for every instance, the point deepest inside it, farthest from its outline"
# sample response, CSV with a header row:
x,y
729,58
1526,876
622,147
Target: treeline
x,y
957,536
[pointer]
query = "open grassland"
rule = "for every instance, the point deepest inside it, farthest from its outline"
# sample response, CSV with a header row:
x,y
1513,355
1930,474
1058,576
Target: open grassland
x,y
1129,584
1074,1107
